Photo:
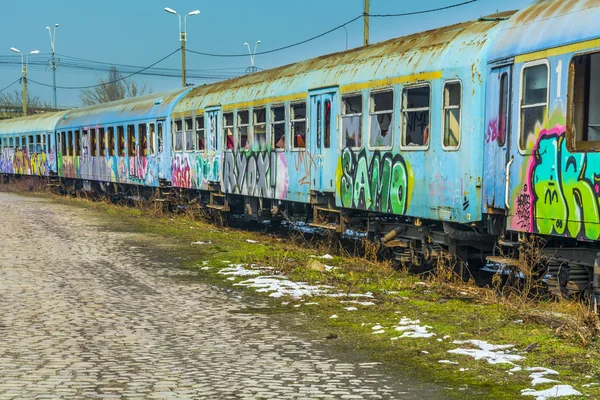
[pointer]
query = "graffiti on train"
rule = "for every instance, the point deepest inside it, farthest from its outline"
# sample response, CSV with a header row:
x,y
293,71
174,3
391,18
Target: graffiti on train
x,y
565,188
377,182
254,173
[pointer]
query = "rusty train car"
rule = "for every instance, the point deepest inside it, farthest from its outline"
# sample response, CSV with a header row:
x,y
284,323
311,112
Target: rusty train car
x,y
464,139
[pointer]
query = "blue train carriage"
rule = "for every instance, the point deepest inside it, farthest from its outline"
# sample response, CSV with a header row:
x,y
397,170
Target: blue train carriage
x,y
543,136
126,142
393,129
28,146
243,144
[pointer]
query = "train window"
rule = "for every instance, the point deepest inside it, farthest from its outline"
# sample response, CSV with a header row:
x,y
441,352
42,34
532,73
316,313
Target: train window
x,y
159,131
111,141
228,129
31,145
93,143
102,142
190,139
121,141
39,147
243,126
415,116
318,107
24,142
278,127
259,128
503,112
152,139
17,142
63,143
178,145
583,119
48,144
200,139
70,143
327,127
534,102
11,142
298,124
77,134
381,112
131,142
452,103
143,137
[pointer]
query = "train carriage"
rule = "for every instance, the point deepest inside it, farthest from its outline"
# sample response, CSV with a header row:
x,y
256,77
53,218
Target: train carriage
x,y
27,145
126,141
543,133
384,129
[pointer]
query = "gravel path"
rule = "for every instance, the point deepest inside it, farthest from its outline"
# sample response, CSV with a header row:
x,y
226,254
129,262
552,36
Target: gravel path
x,y
85,314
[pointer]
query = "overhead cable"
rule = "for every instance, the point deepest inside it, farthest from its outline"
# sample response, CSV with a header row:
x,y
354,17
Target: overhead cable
x,y
10,85
107,83
423,11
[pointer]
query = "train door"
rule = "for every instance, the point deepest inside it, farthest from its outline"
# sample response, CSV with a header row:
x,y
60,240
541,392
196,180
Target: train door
x,y
498,158
214,144
323,139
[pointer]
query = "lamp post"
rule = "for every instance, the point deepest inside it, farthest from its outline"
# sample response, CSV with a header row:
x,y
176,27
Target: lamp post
x,y
182,39
24,79
252,55
53,63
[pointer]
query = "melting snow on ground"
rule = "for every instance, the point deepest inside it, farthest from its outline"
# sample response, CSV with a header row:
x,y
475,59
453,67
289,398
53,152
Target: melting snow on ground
x,y
412,329
556,391
493,354
238,270
200,243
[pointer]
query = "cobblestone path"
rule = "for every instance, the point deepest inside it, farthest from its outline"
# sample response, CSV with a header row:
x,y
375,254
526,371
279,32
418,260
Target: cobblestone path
x,y
85,314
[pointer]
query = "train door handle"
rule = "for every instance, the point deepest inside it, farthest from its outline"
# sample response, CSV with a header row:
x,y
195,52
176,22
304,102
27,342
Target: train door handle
x,y
507,189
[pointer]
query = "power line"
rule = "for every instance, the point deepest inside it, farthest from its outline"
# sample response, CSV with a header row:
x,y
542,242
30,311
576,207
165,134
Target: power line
x,y
334,29
10,85
279,48
423,11
107,83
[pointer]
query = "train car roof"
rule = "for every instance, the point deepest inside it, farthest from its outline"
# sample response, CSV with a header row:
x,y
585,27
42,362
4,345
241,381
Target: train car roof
x,y
135,108
31,123
546,24
454,46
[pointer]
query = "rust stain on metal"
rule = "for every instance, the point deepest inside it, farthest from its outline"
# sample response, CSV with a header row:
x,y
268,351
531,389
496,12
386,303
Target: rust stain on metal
x,y
417,48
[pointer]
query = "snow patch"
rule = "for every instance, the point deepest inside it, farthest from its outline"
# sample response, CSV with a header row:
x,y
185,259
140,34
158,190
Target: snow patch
x,y
411,329
538,376
493,354
556,391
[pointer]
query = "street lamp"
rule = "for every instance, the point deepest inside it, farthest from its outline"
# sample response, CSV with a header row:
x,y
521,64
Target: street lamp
x,y
252,68
182,39
53,62
24,79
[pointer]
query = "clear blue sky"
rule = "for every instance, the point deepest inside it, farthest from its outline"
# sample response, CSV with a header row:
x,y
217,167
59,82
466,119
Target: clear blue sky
x,y
140,32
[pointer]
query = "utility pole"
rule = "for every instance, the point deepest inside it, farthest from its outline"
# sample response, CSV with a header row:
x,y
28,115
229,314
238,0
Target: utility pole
x,y
182,39
366,21
24,78
53,63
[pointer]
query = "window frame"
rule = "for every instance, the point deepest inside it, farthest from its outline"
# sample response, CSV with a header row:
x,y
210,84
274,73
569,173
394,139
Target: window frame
x,y
572,144
254,145
444,108
225,127
102,142
342,114
131,146
408,147
200,131
181,132
392,123
291,124
530,64
152,138
186,132
506,102
238,134
272,122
